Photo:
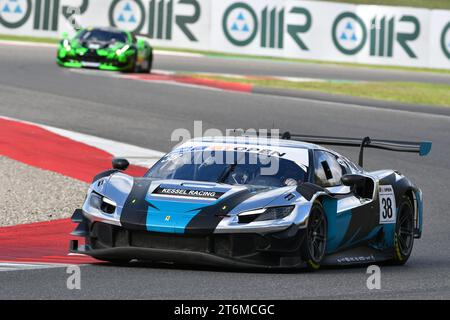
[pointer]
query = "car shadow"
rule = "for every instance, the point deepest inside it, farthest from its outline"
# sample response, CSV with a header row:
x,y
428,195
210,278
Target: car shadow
x,y
206,268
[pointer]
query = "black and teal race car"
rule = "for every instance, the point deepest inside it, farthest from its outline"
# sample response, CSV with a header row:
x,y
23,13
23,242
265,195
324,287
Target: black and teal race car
x,y
105,49
250,201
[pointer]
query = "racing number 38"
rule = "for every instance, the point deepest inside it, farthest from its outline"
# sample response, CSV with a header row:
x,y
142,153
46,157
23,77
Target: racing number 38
x,y
387,208
387,205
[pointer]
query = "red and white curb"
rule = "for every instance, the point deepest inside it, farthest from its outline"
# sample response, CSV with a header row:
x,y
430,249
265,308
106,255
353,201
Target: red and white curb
x,y
77,155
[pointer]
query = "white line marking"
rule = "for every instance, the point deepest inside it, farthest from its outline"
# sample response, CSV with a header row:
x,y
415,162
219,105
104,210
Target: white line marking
x,y
12,266
178,54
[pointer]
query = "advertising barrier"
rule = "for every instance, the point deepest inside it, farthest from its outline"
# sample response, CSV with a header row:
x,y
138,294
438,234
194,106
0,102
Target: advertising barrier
x,y
316,30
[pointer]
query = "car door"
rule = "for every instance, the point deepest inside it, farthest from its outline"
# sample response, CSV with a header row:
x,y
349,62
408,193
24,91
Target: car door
x,y
351,217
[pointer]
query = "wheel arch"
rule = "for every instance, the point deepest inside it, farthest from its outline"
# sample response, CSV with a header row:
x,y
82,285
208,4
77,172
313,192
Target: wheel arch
x,y
415,196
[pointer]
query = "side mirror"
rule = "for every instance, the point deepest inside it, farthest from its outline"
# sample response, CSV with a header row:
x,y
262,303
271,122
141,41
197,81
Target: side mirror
x,y
120,164
65,35
353,180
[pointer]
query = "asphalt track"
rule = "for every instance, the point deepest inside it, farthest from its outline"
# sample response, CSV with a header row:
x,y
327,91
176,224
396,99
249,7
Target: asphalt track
x,y
145,114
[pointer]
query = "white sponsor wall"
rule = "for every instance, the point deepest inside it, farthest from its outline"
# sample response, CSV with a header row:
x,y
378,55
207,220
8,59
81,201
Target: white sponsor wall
x,y
283,28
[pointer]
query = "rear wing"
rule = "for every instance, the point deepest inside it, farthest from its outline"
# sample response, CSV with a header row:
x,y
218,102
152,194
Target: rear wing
x,y
422,148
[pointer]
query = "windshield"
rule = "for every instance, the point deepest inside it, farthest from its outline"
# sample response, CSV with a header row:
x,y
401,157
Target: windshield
x,y
239,168
102,36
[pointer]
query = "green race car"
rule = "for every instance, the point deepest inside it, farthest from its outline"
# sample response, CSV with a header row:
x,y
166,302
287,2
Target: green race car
x,y
105,49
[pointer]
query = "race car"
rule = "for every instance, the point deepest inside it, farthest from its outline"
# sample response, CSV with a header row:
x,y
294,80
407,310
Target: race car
x,y
245,201
105,49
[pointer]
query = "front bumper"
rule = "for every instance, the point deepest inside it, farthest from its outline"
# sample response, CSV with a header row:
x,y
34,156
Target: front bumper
x,y
243,250
95,62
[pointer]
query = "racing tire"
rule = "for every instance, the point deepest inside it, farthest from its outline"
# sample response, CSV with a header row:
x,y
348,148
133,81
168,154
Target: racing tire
x,y
148,69
404,232
314,245
134,66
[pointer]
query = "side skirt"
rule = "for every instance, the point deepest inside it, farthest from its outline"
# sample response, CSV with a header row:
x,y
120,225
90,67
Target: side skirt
x,y
358,255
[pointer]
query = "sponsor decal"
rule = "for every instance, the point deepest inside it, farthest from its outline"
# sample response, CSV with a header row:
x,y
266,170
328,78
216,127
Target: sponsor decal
x,y
445,40
350,34
14,13
356,259
129,15
191,193
388,208
158,21
250,149
241,24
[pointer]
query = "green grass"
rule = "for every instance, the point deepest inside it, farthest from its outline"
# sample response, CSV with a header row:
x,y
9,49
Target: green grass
x,y
308,61
241,56
431,4
406,92
27,38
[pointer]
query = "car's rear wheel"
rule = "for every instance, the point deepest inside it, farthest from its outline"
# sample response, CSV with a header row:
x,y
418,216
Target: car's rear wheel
x,y
314,245
404,232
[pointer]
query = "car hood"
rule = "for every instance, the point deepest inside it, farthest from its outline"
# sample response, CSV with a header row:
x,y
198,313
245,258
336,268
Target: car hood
x,y
84,46
182,206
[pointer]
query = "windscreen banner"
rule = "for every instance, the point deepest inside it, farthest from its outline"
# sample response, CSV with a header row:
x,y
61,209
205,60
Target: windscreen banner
x,y
317,30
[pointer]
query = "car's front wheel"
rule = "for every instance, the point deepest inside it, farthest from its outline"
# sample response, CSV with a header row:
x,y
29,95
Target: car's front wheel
x,y
149,63
404,232
314,245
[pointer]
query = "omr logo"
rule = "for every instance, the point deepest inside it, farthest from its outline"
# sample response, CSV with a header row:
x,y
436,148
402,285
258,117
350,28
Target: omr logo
x,y
445,40
9,5
240,24
127,14
349,33
14,13
159,18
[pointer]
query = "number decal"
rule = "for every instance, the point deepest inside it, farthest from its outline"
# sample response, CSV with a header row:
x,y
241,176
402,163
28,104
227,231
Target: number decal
x,y
388,209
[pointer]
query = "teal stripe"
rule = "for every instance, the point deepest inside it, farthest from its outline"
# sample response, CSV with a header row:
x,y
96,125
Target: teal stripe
x,y
171,216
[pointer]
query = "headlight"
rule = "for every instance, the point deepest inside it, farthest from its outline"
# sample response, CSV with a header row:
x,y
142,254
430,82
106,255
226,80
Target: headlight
x,y
273,213
101,203
66,45
122,50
